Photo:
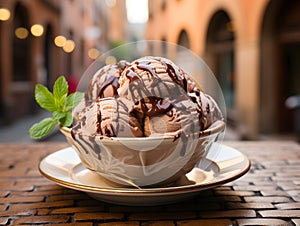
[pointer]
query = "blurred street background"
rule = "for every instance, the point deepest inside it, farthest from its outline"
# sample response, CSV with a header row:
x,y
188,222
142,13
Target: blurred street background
x,y
252,47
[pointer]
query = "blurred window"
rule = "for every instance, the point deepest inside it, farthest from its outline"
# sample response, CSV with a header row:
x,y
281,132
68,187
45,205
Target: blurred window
x,y
220,44
21,45
48,56
183,39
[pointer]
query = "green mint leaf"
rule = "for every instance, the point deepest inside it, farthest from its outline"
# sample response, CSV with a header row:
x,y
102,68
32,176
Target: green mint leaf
x,y
42,128
44,98
73,100
58,115
59,103
60,92
67,120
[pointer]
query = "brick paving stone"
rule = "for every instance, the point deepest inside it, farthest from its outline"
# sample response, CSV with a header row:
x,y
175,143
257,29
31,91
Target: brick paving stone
x,y
75,224
291,172
41,220
296,198
254,188
261,221
274,193
264,183
250,205
21,212
41,205
39,193
270,199
288,206
220,222
158,223
228,214
162,216
69,210
128,223
294,192
19,187
280,213
20,199
6,182
43,211
288,185
285,178
98,216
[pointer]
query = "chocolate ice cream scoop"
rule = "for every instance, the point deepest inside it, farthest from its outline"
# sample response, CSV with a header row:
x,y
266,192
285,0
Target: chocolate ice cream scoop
x,y
151,83
108,117
182,118
105,81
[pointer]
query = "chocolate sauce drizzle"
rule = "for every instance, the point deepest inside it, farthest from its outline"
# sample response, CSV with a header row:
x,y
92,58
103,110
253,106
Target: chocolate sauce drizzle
x,y
152,105
111,80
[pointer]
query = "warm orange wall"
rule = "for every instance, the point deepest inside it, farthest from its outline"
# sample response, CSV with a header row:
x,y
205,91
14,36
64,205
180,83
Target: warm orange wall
x,y
194,16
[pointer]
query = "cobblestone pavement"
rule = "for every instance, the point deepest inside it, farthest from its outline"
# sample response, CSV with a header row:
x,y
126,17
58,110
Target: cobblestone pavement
x,y
268,195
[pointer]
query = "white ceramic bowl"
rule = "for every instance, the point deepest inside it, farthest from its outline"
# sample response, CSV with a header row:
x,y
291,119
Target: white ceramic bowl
x,y
146,161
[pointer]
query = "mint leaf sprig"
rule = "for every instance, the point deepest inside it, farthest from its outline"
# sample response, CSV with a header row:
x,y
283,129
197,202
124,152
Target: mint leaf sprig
x,y
59,103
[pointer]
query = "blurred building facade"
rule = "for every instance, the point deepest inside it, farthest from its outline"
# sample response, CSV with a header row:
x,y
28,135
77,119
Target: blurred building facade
x,y
69,35
251,46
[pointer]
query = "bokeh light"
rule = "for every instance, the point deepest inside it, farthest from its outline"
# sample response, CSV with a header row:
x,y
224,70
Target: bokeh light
x,y
37,30
110,60
4,14
60,41
21,33
69,46
93,53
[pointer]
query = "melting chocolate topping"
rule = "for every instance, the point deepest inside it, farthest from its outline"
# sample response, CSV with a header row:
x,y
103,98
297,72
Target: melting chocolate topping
x,y
150,104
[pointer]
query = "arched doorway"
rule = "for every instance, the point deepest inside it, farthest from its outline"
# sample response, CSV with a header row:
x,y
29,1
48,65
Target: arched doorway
x,y
220,57
21,45
183,39
48,55
21,88
280,71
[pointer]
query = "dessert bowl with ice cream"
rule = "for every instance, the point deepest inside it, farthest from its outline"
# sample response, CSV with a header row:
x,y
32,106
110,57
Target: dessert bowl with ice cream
x,y
144,123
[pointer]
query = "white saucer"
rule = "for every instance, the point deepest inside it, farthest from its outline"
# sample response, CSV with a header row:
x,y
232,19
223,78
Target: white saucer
x,y
64,168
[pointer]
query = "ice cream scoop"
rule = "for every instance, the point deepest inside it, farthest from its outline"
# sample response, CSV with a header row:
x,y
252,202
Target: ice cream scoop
x,y
105,81
182,118
109,117
151,83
